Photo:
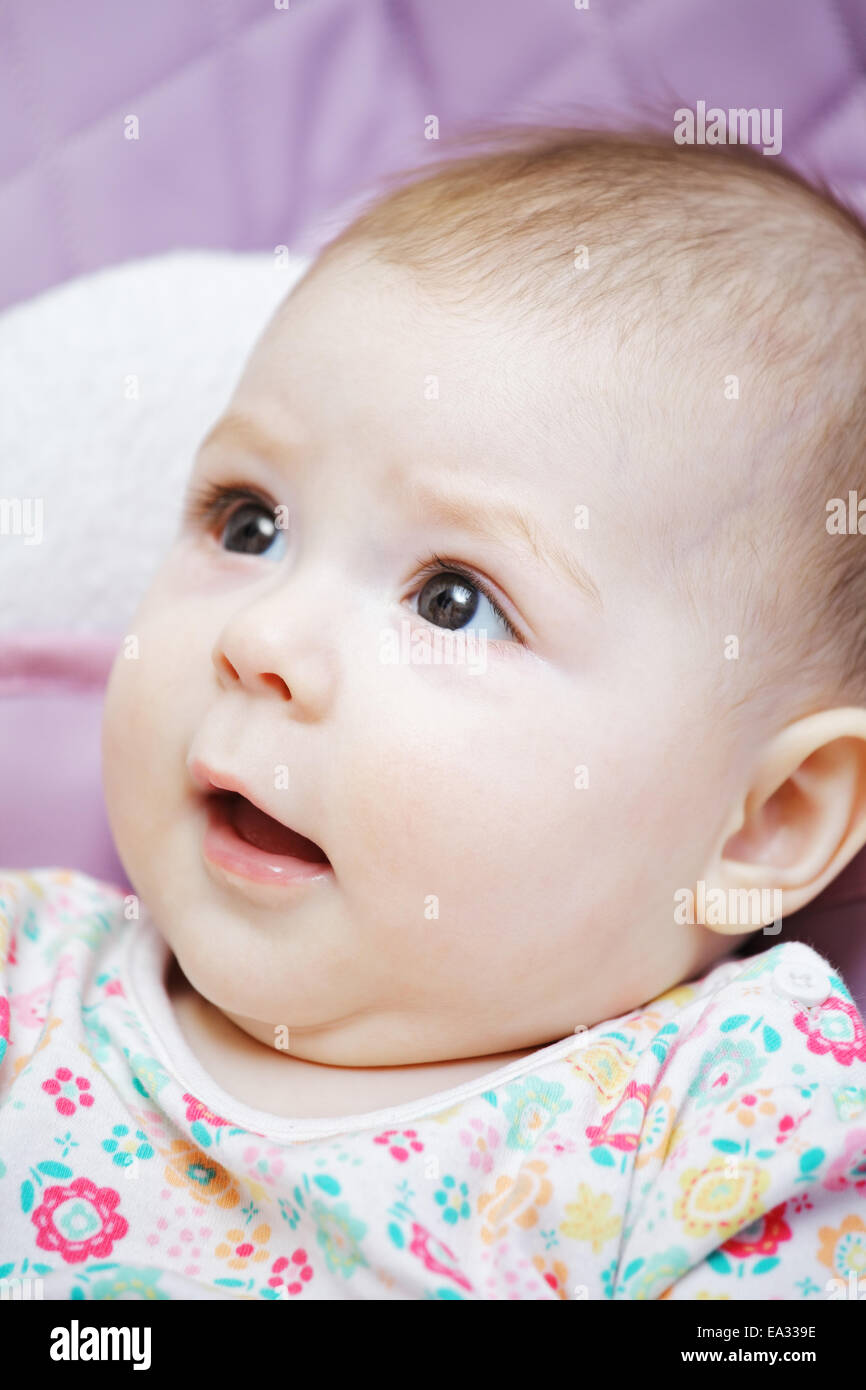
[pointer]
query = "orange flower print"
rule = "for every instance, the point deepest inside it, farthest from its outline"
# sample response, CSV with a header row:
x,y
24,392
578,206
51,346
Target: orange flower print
x,y
514,1201
21,1062
194,1172
240,1248
555,1274
844,1250
747,1108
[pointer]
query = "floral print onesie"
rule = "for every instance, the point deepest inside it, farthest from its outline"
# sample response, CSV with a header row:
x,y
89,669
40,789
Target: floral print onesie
x,y
708,1145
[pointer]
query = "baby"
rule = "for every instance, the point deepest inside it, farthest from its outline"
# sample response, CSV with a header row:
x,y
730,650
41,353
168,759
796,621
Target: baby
x,y
503,655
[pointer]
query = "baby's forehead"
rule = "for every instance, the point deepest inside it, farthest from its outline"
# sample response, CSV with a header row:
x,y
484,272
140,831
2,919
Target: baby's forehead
x,y
678,340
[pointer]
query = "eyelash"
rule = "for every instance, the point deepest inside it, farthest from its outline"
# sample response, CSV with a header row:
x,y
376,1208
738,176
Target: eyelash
x,y
210,503
444,562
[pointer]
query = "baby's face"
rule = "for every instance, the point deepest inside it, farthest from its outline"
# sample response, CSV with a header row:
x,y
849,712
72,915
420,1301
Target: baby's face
x,y
506,831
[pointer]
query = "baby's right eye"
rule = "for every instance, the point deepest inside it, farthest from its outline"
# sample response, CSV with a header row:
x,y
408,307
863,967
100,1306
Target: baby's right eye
x,y
241,519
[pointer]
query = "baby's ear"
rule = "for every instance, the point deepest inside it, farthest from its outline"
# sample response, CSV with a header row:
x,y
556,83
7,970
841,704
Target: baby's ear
x,y
803,816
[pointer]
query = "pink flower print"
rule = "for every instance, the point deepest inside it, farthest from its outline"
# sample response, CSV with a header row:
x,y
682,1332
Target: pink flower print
x,y
290,1275
69,1093
848,1172
838,1029
436,1256
154,1123
29,1008
482,1139
554,1142
396,1148
79,1220
196,1111
4,1025
620,1128
267,1166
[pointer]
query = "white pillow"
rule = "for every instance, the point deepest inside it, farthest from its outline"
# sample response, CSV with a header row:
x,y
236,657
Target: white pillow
x,y
91,475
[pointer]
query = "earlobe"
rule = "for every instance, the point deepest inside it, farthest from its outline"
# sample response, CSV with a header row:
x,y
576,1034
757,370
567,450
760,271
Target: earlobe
x,y
803,818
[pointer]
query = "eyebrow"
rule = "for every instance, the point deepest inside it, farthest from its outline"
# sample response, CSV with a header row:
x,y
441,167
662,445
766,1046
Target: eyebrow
x,y
477,515
239,428
501,521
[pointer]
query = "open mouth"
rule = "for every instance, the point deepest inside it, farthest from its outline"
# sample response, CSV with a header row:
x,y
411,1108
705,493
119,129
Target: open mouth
x,y
261,831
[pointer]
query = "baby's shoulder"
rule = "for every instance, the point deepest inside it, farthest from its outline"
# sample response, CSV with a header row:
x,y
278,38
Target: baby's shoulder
x,y
768,1018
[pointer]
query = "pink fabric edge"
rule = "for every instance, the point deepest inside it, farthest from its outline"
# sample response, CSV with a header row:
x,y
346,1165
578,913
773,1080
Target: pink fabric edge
x,y
35,663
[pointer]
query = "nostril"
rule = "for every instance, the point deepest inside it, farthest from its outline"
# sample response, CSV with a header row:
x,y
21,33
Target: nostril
x,y
270,678
225,668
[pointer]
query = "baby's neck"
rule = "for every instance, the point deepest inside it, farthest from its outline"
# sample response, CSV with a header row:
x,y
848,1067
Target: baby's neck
x,y
291,1087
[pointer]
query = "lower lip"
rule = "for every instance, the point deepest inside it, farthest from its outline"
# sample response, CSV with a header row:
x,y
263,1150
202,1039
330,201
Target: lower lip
x,y
223,846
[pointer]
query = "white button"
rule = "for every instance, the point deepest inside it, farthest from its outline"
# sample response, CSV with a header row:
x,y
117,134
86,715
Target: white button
x,y
803,983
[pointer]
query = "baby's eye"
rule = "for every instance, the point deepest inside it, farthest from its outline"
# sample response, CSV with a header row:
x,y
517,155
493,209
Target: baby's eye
x,y
252,530
451,599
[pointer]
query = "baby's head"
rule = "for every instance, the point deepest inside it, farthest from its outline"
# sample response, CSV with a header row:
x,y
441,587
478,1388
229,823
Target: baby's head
x,y
588,396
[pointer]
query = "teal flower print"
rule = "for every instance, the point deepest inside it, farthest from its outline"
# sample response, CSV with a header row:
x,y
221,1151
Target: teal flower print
x,y
148,1076
339,1235
730,1066
646,1279
532,1106
453,1200
127,1282
98,1039
124,1150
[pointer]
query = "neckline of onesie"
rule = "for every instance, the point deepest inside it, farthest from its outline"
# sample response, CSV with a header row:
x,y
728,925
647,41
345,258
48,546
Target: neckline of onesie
x,y
146,961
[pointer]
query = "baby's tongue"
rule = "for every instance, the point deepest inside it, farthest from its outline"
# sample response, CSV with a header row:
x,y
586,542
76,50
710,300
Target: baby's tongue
x,y
267,834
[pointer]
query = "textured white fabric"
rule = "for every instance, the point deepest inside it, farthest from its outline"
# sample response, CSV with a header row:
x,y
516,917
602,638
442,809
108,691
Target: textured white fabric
x,y
110,467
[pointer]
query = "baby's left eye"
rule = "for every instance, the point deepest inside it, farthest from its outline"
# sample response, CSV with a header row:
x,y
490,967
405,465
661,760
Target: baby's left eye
x,y
251,530
453,600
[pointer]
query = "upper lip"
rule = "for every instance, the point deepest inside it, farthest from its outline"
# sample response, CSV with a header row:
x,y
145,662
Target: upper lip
x,y
209,781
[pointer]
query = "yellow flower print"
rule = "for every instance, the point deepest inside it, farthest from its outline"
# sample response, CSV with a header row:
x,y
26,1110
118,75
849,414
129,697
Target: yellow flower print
x,y
443,1116
676,997
193,1171
717,1296
514,1200
589,1219
240,1248
844,1250
713,1202
607,1065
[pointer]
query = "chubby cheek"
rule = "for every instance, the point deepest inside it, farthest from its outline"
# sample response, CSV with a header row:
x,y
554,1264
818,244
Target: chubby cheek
x,y
459,798
148,720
